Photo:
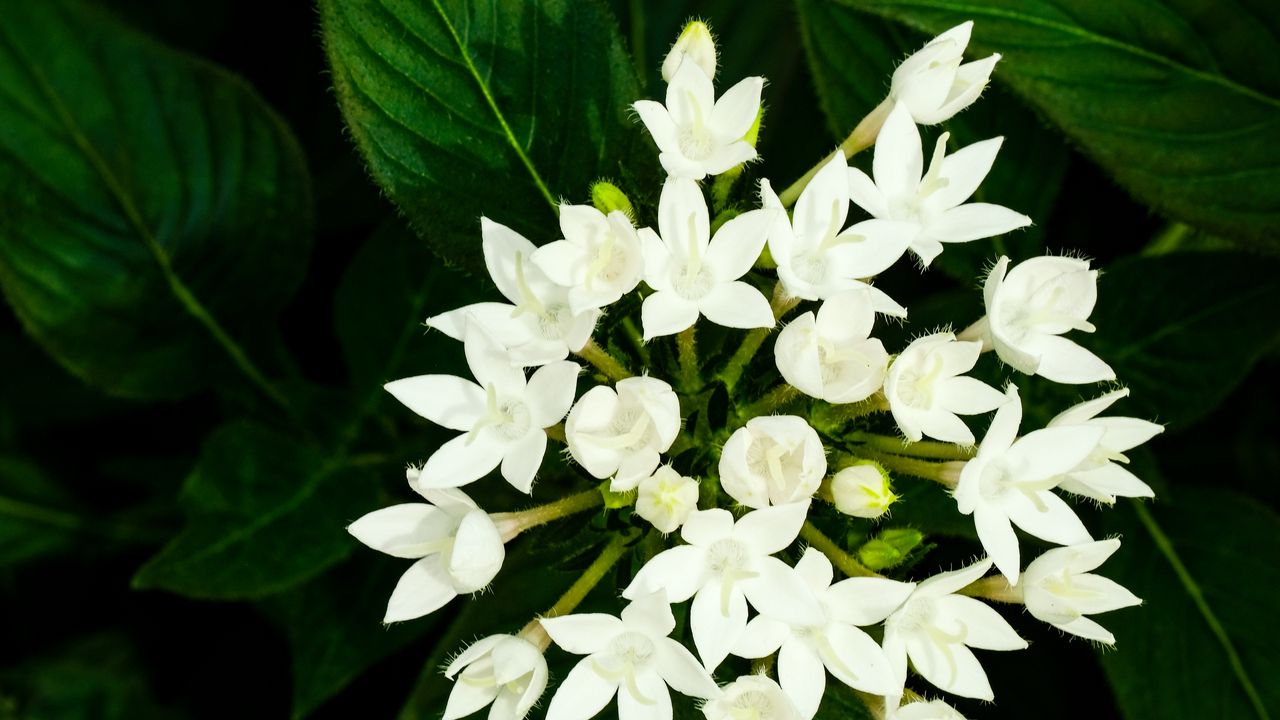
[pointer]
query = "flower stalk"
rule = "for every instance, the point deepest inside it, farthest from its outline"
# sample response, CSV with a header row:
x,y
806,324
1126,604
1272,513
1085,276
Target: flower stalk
x,y
578,591
862,137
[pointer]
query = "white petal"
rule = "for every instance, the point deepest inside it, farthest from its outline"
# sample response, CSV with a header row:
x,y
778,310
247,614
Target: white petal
x,y
424,588
467,697
402,530
967,396
824,204
1004,426
443,399
681,670
654,702
857,661
738,243
866,601
562,261
473,652
683,221
1063,361
522,459
763,636
665,313
975,221
942,425
771,529
1048,518
714,631
680,570
998,539
1050,452
964,170
679,166
583,694
707,526
734,305
501,246
983,627
779,592
477,553
1090,629
550,392
658,121
735,112
649,614
1125,433
1110,480
583,633
490,363
689,94
872,246
949,582
899,159
463,459
864,193
816,570
802,676
950,667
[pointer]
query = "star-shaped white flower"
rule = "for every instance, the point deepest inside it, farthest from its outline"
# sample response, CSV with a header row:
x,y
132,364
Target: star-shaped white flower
x,y
935,628
503,417
932,82
694,273
1102,476
666,499
621,432
756,697
932,202
538,326
1011,482
599,259
1059,589
927,390
506,671
831,640
726,564
696,134
456,544
772,460
630,657
831,355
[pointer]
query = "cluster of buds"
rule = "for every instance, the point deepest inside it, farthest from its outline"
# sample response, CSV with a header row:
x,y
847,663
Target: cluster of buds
x,y
743,497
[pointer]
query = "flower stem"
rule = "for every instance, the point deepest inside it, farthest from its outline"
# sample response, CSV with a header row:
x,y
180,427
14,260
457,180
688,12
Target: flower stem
x,y
773,401
637,340
994,588
862,137
603,361
832,418
946,473
511,524
838,557
578,591
687,346
780,304
921,449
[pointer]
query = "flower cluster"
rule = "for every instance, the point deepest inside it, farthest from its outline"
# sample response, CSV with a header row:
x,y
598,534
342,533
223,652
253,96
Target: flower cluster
x,y
746,498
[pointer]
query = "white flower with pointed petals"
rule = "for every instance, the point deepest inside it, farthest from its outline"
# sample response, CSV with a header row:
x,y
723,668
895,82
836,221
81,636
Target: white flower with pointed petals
x,y
725,565
816,256
756,697
932,202
503,417
830,640
1059,589
621,432
935,628
599,259
925,710
538,326
1102,475
631,657
934,85
695,42
503,670
666,498
832,356
696,134
773,460
1011,482
694,273
1028,310
927,390
456,544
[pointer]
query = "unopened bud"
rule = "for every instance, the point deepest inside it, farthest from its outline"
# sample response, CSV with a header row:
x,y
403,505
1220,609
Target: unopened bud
x,y
890,548
862,490
666,499
696,44
606,197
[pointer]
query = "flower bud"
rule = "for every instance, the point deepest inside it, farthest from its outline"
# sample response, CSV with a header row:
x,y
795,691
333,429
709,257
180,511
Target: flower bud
x,y
666,499
606,197
934,85
890,548
696,44
862,490
503,670
773,460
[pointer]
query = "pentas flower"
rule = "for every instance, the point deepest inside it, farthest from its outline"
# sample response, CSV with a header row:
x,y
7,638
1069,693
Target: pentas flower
x,y
621,431
698,135
1010,482
538,326
1028,310
599,259
725,564
935,629
694,273
666,498
695,42
831,639
1102,476
503,670
816,256
925,710
927,390
934,85
1059,589
772,460
503,417
831,355
932,202
456,544
751,697
862,490
630,657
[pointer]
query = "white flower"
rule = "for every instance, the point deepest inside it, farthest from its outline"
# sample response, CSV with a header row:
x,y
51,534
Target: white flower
x,y
695,42
925,710
1059,589
696,134
934,85
1100,476
773,459
599,259
816,256
831,356
726,564
1011,481
927,391
936,628
458,548
756,697
631,657
621,432
933,202
666,498
694,273
538,326
507,671
504,417
830,639
862,490
1030,308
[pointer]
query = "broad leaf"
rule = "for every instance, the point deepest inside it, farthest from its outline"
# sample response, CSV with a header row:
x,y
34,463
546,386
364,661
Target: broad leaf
x,y
464,109
1178,100
35,514
152,207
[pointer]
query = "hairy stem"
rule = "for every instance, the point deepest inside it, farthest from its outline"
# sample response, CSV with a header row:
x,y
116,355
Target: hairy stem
x,y
603,361
687,346
862,137
847,563
772,402
946,473
922,449
578,591
511,524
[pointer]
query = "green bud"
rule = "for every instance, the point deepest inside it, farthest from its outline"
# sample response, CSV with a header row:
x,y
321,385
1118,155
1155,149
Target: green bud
x,y
862,490
753,135
614,500
890,548
607,197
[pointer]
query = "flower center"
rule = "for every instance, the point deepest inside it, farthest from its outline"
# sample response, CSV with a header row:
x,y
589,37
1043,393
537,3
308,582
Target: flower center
x,y
916,385
779,464
630,651
751,705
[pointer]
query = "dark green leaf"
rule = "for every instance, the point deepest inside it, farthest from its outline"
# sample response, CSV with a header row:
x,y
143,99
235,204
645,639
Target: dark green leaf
x,y
34,515
150,204
1178,100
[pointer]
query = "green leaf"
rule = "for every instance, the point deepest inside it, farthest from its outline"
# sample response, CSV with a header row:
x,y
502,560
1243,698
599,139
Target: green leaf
x,y
1178,100
464,109
1206,642
34,515
151,205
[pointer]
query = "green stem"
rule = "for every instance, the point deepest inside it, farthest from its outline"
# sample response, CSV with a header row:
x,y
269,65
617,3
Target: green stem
x,y
832,418
771,402
636,14
637,340
687,347
994,588
921,449
512,524
617,547
946,473
862,137
848,564
603,361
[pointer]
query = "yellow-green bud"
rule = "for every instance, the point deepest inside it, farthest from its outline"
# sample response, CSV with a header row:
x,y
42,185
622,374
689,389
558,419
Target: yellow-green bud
x,y
614,500
862,490
606,197
890,548
695,42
